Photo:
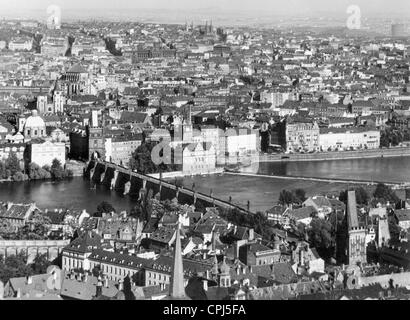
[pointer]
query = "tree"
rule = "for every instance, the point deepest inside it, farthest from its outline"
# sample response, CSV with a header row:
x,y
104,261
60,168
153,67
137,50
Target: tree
x,y
19,176
362,196
321,237
37,228
57,170
38,173
300,195
137,211
129,295
14,266
3,171
6,227
105,207
385,193
12,164
297,196
286,197
40,264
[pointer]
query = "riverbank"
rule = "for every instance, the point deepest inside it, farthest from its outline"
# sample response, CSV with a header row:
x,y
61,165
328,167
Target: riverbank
x,y
341,155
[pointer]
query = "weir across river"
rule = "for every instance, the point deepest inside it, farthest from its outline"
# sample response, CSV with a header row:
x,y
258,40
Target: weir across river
x,y
316,179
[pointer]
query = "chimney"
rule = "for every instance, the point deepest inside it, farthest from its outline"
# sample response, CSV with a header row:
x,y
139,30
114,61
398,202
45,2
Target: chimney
x,y
9,204
237,246
205,284
29,280
1,290
18,293
98,292
121,285
251,234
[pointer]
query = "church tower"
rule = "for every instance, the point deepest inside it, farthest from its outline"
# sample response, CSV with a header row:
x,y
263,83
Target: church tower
x,y
177,289
224,277
96,141
357,233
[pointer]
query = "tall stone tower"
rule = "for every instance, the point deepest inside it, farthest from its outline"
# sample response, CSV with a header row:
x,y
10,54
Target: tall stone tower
x,y
177,290
357,233
96,141
42,101
59,101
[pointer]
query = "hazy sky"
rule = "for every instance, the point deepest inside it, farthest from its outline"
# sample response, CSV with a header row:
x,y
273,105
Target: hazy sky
x,y
293,7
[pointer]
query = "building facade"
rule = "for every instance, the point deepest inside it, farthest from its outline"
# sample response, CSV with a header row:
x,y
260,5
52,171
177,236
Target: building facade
x,y
335,139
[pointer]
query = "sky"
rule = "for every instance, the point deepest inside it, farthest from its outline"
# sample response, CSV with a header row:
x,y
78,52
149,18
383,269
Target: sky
x,y
228,7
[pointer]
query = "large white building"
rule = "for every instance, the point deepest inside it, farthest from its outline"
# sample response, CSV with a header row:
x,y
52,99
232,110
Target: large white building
x,y
21,44
44,152
198,158
299,135
239,142
332,139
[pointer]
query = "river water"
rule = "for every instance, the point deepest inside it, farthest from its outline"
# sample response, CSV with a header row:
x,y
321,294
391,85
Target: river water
x,y
262,192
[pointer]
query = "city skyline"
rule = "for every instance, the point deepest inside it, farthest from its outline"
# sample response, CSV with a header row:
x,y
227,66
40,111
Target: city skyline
x,y
178,10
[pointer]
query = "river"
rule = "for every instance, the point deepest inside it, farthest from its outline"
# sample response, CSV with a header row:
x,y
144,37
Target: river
x,y
261,192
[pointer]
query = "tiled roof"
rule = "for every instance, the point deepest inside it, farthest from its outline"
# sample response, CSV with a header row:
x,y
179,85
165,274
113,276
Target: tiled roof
x,y
403,215
164,234
86,290
118,259
39,284
191,267
16,211
86,243
301,213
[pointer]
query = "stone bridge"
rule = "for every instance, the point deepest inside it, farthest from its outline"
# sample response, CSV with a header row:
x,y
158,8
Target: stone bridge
x,y
31,248
132,183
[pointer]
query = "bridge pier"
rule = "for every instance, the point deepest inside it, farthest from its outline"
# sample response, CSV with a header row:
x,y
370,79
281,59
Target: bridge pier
x,y
104,173
92,171
127,188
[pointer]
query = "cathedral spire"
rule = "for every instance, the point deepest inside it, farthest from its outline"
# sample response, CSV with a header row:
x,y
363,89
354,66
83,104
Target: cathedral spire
x,y
177,276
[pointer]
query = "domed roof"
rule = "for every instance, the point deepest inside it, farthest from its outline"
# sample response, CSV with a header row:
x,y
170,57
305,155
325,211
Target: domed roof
x,y
34,121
